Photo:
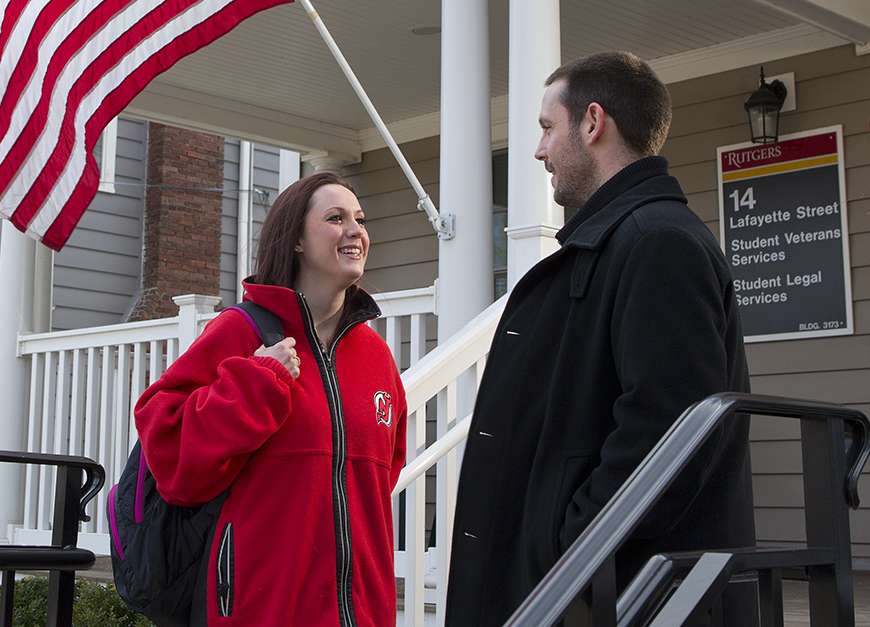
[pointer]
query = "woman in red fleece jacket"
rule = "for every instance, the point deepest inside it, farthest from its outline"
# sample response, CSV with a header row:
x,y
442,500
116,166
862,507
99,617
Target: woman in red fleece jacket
x,y
307,435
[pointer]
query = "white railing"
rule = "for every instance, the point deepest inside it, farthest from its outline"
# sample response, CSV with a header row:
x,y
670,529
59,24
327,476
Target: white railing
x,y
440,376
84,384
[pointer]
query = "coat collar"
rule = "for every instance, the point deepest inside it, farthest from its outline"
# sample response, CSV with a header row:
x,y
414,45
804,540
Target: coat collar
x,y
639,183
284,303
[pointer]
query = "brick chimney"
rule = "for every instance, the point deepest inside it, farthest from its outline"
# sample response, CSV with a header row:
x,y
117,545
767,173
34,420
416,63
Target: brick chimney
x,y
182,222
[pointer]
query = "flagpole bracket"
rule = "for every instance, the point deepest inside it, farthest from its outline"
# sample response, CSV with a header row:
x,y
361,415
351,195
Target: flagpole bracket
x,y
443,223
445,226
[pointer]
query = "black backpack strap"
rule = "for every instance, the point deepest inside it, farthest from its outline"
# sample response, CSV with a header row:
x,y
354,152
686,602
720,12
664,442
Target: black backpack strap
x,y
268,325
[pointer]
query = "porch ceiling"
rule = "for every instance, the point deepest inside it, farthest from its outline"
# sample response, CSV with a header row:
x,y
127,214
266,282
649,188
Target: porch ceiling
x,y
273,78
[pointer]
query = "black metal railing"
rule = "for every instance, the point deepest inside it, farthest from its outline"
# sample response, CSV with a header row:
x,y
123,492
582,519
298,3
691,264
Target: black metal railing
x,y
581,586
62,558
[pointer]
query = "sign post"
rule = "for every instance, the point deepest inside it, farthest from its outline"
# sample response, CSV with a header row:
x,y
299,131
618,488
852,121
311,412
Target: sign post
x,y
783,227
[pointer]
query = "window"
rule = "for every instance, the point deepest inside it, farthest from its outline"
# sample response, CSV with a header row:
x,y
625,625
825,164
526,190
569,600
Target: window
x,y
499,222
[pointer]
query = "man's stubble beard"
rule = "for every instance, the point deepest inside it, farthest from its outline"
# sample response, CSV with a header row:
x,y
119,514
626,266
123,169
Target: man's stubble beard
x,y
579,180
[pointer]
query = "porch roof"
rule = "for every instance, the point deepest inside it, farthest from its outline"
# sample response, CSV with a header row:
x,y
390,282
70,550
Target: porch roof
x,y
272,79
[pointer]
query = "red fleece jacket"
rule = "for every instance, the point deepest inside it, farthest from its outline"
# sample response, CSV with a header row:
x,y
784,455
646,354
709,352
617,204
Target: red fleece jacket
x,y
305,536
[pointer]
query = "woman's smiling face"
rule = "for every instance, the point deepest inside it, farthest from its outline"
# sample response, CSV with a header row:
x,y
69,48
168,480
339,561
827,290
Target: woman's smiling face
x,y
334,243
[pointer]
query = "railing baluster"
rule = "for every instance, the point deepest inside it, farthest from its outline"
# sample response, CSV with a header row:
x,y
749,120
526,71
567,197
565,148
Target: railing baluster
x,y
446,479
8,596
91,423
770,597
76,418
155,361
61,412
827,521
34,429
415,526
394,338
106,368
122,409
136,388
418,337
415,497
171,351
479,367
46,475
394,342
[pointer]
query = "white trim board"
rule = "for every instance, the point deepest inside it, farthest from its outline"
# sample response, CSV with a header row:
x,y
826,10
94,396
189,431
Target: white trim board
x,y
108,156
849,19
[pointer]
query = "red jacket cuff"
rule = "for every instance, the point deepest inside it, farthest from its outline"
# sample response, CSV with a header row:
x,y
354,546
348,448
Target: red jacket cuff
x,y
275,366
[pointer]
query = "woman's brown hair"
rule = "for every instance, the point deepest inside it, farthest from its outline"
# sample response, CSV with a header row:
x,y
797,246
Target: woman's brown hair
x,y
277,260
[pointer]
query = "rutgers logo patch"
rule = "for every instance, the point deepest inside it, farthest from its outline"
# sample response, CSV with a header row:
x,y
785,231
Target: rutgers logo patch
x,y
384,408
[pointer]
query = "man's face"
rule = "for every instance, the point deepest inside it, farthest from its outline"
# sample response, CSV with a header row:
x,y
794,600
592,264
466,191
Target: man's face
x,y
563,153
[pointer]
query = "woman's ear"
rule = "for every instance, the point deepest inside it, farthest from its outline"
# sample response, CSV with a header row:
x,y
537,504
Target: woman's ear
x,y
298,248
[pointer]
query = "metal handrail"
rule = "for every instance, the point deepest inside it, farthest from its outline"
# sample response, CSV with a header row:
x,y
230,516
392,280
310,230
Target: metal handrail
x,y
613,525
62,558
95,475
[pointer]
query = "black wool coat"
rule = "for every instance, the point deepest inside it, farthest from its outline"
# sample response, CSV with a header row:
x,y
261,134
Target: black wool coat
x,y
601,347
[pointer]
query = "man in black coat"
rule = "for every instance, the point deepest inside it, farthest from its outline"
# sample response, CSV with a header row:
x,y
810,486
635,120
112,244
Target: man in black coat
x,y
601,347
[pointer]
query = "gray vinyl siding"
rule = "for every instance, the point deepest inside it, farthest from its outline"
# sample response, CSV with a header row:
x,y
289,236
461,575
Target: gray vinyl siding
x,y
404,248
229,226
265,180
833,87
97,274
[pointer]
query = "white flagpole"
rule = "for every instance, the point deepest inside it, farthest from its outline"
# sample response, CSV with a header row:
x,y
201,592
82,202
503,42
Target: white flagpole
x,y
443,227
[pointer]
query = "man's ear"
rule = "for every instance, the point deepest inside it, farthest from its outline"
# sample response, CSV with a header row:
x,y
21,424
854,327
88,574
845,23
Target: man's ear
x,y
594,123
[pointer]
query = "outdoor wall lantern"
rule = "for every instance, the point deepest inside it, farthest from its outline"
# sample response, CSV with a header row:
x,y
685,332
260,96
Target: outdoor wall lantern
x,y
763,108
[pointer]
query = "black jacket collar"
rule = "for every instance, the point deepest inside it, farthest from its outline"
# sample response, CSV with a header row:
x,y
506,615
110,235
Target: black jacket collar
x,y
635,185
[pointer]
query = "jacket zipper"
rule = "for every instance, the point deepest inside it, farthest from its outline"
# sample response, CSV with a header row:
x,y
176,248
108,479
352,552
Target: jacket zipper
x,y
225,572
344,556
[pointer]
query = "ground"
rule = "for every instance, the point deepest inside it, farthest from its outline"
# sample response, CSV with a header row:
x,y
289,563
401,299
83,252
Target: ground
x,y
795,602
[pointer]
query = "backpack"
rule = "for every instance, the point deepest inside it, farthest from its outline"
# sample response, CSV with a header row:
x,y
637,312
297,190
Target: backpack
x,y
160,551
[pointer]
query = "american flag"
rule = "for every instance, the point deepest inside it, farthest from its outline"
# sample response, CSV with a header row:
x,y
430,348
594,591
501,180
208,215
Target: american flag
x,y
67,68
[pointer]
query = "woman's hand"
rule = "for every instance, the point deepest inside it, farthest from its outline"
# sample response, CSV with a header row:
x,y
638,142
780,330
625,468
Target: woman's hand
x,y
284,352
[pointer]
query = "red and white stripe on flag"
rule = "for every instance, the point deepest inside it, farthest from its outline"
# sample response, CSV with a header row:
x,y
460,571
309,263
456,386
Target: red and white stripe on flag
x,y
67,68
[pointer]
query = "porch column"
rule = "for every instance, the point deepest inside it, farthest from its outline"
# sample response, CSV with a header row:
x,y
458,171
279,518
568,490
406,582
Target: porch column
x,y
534,52
465,281
465,262
17,253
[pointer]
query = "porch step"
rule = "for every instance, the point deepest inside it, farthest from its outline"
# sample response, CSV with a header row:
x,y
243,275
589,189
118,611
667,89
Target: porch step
x,y
796,603
101,570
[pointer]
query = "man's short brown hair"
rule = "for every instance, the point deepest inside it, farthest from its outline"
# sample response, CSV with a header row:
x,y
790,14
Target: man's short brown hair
x,y
628,91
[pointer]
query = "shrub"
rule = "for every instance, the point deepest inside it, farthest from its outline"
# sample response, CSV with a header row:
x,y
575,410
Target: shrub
x,y
95,605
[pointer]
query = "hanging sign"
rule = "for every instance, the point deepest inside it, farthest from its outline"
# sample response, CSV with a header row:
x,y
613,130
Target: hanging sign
x,y
782,216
